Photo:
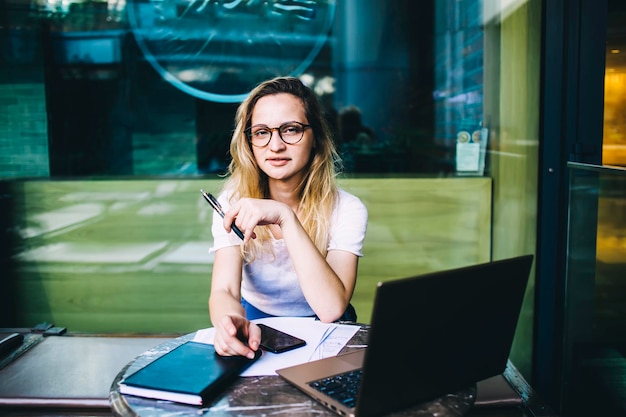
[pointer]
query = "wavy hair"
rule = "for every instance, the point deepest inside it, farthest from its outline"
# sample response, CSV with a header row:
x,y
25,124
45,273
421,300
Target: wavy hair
x,y
318,189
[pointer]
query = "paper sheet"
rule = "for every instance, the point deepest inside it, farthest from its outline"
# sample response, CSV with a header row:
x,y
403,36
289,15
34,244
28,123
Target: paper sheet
x,y
322,340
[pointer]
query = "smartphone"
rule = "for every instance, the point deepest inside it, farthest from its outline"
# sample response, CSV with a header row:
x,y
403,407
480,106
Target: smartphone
x,y
275,341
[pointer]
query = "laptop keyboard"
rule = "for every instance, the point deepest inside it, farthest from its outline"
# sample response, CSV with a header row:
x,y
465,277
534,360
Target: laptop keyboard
x,y
342,387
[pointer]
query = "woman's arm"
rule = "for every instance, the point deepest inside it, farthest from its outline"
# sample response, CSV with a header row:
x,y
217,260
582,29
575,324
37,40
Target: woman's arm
x,y
234,334
327,283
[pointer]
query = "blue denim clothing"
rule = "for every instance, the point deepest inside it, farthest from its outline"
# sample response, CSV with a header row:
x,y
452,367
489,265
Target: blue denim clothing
x,y
253,313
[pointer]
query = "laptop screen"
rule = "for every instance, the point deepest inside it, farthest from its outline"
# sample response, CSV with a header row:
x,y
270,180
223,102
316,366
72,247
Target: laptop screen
x,y
442,331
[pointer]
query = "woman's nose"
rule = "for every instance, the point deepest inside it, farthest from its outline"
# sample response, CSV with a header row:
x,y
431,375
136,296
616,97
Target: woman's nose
x,y
276,142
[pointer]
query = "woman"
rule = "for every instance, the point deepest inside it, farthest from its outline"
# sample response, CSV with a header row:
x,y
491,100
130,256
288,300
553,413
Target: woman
x,y
302,235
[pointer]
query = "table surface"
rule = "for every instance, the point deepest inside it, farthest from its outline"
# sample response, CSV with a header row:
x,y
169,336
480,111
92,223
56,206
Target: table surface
x,y
264,395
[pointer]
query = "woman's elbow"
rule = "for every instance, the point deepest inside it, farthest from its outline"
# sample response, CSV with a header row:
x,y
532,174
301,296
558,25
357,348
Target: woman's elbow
x,y
330,315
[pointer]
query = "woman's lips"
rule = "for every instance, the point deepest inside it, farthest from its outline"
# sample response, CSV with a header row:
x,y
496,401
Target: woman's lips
x,y
277,162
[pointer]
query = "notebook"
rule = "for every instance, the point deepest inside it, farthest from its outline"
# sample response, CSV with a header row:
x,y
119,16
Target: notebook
x,y
430,335
192,373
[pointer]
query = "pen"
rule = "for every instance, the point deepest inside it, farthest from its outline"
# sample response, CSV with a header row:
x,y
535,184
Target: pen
x,y
217,207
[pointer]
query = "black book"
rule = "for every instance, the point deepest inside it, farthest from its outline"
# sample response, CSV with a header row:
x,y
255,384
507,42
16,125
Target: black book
x,y
192,373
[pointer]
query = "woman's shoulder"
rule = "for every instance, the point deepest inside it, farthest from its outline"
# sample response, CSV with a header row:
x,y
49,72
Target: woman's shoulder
x,y
350,216
343,194
346,199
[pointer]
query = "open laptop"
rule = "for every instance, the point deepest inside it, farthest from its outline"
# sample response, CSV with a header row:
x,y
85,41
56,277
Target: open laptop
x,y
430,335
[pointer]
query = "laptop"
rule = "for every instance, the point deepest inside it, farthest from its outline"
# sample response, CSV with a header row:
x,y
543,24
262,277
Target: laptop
x,y
430,335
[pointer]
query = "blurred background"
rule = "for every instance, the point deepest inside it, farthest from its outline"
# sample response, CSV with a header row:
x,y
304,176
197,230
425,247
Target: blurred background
x,y
472,130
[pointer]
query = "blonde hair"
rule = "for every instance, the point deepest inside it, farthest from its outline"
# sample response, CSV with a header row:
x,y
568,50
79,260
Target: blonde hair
x,y
318,189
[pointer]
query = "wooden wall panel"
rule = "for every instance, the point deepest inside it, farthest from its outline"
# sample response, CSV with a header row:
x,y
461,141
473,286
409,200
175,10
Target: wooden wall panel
x,y
132,256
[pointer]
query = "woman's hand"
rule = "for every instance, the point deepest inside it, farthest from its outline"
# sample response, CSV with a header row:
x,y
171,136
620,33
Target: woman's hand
x,y
248,213
236,336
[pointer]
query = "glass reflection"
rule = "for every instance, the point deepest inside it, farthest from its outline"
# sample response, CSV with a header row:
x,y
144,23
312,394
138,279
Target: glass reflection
x,y
594,339
614,132
218,50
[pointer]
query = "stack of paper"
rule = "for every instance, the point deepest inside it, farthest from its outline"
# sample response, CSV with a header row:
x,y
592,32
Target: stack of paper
x,y
323,340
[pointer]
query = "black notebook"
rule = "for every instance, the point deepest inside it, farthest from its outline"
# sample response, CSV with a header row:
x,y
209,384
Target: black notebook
x,y
192,373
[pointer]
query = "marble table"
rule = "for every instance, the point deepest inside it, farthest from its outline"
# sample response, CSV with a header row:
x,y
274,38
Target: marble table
x,y
265,395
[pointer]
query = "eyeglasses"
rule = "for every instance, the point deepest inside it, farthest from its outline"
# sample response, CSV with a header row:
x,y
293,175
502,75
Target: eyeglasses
x,y
290,133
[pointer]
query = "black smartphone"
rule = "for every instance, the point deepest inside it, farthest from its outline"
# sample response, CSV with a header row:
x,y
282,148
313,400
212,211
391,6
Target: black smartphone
x,y
275,341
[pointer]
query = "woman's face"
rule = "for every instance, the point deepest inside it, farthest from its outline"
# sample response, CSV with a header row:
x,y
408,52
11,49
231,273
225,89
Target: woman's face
x,y
280,161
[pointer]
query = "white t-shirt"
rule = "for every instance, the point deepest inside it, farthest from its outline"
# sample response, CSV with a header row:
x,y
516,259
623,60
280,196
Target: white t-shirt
x,y
270,283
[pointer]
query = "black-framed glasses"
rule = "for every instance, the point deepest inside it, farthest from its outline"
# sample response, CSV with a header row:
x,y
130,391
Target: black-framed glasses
x,y
289,132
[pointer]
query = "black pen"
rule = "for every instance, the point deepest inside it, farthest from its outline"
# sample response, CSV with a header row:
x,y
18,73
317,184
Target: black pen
x,y
216,205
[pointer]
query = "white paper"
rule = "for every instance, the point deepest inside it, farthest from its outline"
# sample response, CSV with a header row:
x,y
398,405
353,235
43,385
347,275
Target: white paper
x,y
467,156
322,340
